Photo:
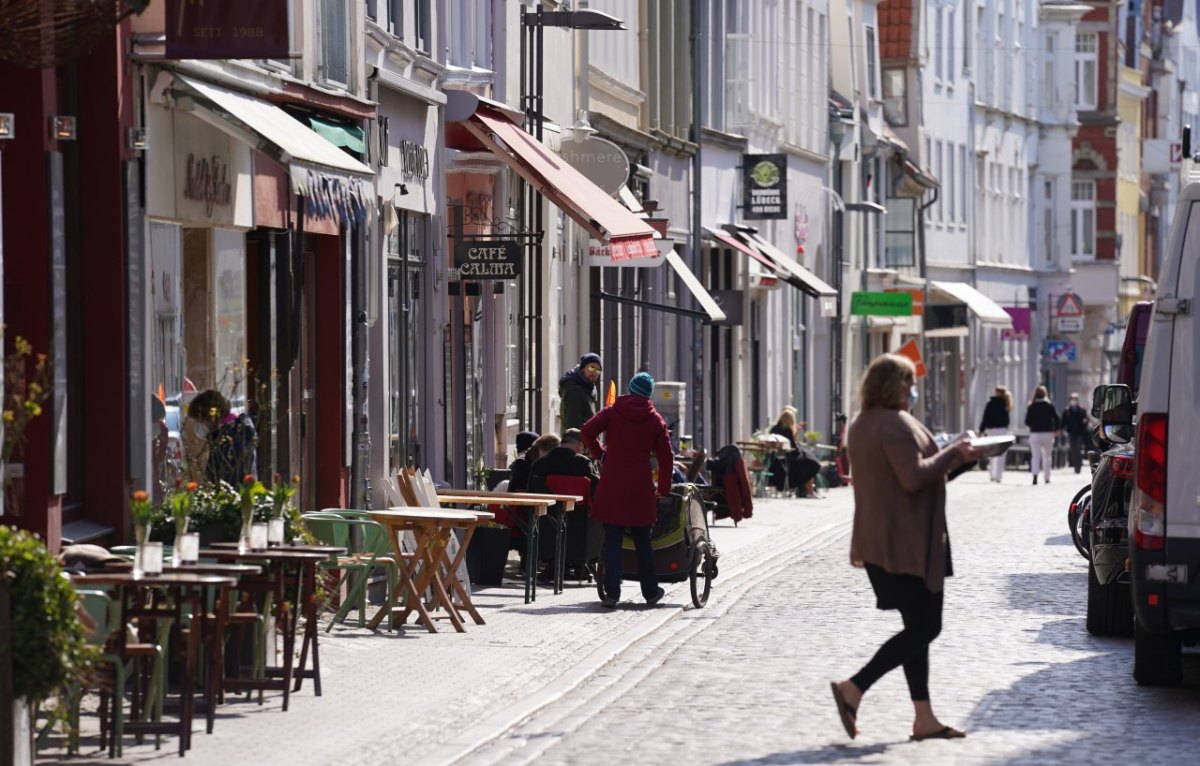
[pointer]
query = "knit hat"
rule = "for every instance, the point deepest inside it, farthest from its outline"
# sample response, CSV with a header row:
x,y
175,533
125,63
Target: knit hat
x,y
525,440
592,358
641,384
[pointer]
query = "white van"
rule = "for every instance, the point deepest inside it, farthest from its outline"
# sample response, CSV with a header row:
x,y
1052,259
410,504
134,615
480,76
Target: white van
x,y
1164,517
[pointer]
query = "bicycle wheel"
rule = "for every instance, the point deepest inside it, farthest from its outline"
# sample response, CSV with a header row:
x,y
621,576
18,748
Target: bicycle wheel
x,y
1076,519
701,578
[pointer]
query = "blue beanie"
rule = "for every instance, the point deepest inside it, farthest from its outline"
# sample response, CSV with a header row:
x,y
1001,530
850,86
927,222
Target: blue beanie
x,y
641,384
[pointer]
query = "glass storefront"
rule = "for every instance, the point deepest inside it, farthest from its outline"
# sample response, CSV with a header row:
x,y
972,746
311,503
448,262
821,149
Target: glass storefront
x,y
407,351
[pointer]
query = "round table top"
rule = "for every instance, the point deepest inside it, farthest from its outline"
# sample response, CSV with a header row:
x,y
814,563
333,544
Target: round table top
x,y
424,514
203,567
328,550
271,554
168,578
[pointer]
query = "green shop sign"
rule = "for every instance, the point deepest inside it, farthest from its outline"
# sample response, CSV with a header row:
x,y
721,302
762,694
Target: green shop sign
x,y
882,304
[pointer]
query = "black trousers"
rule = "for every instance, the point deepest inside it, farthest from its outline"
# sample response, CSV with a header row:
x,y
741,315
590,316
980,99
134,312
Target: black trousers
x,y
921,611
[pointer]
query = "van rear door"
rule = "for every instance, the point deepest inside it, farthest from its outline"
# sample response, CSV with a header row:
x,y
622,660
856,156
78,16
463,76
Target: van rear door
x,y
1172,360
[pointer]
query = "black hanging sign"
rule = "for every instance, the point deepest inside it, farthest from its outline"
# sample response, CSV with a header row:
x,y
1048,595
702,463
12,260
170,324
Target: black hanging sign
x,y
764,186
487,259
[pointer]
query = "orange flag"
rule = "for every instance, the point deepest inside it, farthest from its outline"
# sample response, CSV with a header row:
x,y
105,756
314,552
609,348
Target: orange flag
x,y
611,399
911,351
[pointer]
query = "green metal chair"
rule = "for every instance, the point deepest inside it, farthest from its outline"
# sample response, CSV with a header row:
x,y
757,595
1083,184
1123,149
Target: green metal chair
x,y
368,551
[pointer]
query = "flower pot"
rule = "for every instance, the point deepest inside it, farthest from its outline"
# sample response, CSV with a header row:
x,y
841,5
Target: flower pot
x,y
488,554
22,734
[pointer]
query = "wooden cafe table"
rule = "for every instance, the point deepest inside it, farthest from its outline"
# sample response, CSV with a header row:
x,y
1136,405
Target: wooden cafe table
x,y
283,565
537,504
136,603
212,624
422,570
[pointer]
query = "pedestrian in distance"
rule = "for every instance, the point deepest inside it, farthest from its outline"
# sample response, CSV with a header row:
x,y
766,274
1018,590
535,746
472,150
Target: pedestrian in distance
x,y
625,498
1042,419
578,392
995,422
899,535
1075,422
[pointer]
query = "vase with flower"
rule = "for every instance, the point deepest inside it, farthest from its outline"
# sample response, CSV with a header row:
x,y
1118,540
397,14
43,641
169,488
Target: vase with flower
x,y
141,512
180,505
251,488
281,493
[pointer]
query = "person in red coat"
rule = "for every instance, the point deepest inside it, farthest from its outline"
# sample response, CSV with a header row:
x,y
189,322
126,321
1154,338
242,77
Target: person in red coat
x,y
625,498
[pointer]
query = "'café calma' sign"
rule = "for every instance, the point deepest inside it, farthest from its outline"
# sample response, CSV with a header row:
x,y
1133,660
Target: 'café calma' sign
x,y
487,259
764,186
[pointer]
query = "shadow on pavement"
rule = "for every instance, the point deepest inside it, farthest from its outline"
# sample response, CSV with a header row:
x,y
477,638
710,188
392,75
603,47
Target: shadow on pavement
x,y
843,753
1059,540
1044,592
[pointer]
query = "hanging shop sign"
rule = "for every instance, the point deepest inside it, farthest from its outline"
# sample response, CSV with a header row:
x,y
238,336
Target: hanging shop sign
x,y
228,29
599,160
487,259
764,186
881,304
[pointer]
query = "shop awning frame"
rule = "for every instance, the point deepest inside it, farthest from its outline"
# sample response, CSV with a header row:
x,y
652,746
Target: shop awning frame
x,y
984,308
695,287
587,204
792,272
729,240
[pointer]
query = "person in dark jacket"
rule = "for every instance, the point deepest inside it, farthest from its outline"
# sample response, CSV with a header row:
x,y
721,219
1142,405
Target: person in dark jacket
x,y
518,470
798,467
231,439
995,422
1042,419
567,459
1075,422
577,392
625,498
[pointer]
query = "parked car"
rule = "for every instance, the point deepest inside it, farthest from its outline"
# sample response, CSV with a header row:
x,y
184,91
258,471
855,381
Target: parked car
x,y
1164,521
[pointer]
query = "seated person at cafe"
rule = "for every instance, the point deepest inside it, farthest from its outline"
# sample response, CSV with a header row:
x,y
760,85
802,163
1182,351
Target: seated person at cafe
x,y
518,469
568,459
796,468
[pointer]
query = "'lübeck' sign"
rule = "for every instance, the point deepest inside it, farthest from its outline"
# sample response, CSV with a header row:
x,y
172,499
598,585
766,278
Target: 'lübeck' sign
x,y
487,259
764,186
227,29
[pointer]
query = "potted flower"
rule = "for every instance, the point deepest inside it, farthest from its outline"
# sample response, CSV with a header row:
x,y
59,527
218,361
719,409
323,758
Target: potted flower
x,y
812,438
180,504
281,493
141,513
250,490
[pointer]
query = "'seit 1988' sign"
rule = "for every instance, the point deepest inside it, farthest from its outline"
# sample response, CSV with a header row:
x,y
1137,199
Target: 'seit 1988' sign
x,y
487,259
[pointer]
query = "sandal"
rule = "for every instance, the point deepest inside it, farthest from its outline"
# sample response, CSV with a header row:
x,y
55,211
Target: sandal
x,y
943,733
848,714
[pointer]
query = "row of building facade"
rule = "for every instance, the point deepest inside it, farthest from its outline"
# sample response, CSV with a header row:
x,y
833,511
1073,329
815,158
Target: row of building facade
x,y
305,226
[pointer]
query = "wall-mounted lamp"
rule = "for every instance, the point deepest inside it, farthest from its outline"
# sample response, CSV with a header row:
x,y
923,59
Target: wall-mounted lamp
x,y
137,140
8,126
402,189
62,128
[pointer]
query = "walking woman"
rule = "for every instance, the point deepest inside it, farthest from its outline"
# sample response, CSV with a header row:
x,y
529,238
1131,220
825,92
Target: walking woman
x,y
1042,419
626,496
995,422
899,535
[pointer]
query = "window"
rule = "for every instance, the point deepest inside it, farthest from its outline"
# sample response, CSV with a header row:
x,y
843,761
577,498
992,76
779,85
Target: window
x,y
939,207
468,31
1083,219
384,127
872,71
1086,47
373,9
406,341
410,22
938,49
948,186
737,67
962,184
900,233
895,103
950,48
335,33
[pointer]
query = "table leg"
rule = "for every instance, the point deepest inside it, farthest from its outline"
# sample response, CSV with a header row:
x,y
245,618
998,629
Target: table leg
x,y
463,595
560,548
311,633
216,655
531,555
441,591
424,539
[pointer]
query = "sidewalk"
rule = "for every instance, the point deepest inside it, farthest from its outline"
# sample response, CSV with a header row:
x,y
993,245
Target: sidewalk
x,y
432,698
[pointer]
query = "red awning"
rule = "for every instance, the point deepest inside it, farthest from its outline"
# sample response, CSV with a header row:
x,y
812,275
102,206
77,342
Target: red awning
x,y
731,241
591,207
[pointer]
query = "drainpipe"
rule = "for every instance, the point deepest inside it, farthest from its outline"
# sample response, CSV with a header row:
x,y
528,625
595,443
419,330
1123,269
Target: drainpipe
x,y
924,287
698,395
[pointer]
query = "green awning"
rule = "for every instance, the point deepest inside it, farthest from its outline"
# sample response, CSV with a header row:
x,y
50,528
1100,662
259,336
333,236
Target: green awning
x,y
339,134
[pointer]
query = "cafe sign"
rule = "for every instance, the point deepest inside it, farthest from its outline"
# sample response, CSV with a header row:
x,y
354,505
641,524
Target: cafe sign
x,y
764,186
487,259
881,304
227,29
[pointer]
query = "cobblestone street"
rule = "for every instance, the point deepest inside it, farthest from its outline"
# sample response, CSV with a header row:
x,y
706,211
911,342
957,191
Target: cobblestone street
x,y
745,680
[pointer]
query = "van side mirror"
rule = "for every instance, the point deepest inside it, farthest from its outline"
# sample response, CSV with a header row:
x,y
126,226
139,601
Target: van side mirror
x,y
1098,400
1116,413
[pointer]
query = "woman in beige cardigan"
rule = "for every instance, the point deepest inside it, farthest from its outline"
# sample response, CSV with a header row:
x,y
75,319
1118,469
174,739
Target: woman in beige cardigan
x,y
899,535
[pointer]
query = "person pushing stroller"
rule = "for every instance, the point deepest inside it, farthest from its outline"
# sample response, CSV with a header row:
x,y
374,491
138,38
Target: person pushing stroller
x,y
626,497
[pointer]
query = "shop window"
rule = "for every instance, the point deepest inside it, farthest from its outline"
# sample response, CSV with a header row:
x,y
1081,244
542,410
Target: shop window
x,y
406,323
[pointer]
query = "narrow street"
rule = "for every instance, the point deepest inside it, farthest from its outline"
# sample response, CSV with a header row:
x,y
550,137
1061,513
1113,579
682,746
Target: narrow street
x,y
745,680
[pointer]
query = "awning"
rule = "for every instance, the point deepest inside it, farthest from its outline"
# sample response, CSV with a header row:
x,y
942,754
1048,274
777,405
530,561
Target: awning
x,y
729,240
694,286
792,272
587,204
983,307
349,137
331,180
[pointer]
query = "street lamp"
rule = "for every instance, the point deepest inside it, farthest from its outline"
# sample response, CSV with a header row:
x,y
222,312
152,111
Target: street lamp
x,y
533,24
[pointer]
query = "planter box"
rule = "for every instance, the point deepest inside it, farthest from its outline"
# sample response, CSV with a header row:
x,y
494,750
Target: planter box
x,y
488,554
